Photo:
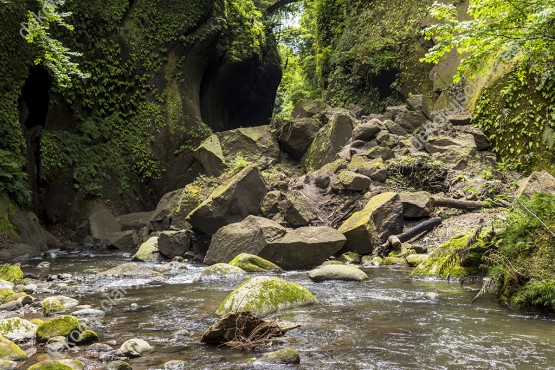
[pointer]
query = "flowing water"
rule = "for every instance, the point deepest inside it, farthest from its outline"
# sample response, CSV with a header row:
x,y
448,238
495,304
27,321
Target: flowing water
x,y
388,322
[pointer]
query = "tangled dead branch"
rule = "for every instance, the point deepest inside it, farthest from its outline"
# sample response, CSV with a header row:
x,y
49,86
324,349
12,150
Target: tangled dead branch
x,y
244,331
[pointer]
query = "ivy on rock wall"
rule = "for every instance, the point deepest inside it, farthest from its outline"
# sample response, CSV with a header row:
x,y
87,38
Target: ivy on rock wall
x,y
134,122
518,114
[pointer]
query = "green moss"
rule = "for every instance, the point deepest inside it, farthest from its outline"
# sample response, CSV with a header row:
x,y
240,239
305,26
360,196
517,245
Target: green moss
x,y
10,351
87,337
11,273
390,261
445,262
350,257
58,365
52,307
283,356
251,263
264,295
58,326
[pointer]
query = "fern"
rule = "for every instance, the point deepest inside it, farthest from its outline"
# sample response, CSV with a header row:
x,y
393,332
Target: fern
x,y
549,138
13,179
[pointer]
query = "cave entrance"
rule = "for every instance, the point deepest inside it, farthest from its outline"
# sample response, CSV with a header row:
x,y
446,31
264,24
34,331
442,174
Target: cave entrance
x,y
385,83
35,100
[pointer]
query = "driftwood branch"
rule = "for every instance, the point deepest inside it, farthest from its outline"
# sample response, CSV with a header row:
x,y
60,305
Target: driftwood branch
x,y
395,241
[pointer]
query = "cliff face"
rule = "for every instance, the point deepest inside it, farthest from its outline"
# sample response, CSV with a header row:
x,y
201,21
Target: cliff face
x,y
163,75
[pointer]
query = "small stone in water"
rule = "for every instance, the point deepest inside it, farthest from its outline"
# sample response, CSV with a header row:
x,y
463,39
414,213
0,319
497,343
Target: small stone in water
x,y
176,365
44,265
134,306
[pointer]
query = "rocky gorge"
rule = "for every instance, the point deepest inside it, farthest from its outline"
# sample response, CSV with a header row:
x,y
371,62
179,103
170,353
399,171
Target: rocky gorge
x,y
352,195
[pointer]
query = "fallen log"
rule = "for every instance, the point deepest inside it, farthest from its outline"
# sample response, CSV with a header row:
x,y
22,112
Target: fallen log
x,y
457,203
395,241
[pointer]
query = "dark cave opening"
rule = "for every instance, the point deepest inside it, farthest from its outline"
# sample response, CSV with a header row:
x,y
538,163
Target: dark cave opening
x,y
34,104
385,83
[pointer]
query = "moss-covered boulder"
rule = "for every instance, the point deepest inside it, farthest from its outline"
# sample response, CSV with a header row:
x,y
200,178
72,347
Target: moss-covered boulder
x,y
283,356
149,252
380,218
87,337
263,295
452,260
416,259
352,181
220,270
352,258
58,365
174,207
337,272
10,351
7,365
231,202
17,329
251,263
374,169
11,273
58,326
118,365
57,304
394,261
249,143
8,295
328,142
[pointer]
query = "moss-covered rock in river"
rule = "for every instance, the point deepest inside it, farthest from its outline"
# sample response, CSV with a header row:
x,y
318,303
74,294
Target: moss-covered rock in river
x,y
11,273
454,259
87,337
263,295
221,270
58,365
58,326
10,351
17,329
282,356
149,252
251,263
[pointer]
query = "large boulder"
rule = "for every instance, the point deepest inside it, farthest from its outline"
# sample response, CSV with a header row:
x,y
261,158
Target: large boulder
x,y
304,247
375,169
263,295
250,143
248,236
299,210
211,156
221,270
230,202
481,139
300,248
328,142
348,180
368,130
149,252
175,243
308,108
21,233
11,273
103,224
416,205
380,218
537,182
123,240
174,207
58,326
337,272
134,221
443,143
296,135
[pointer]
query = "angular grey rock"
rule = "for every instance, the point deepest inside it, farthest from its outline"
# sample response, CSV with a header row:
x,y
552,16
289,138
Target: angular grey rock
x,y
296,136
103,224
211,157
415,205
367,131
175,243
231,202
134,221
299,210
535,183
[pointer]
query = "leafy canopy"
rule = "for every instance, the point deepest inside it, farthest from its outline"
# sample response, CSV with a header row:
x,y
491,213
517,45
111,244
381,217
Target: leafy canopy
x,y
496,31
51,52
